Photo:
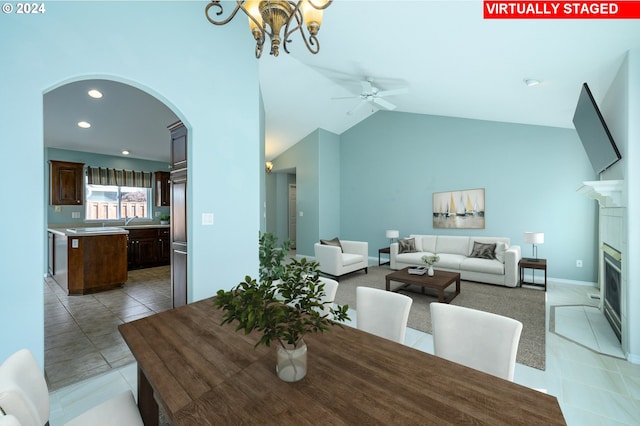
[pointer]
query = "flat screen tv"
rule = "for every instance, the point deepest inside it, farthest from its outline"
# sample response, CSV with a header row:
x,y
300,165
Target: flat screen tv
x,y
594,133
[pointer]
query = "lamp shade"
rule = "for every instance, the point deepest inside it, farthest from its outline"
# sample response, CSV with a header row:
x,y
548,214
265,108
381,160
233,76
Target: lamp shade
x,y
534,237
392,233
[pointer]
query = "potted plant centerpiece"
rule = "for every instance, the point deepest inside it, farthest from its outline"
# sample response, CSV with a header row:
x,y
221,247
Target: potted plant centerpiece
x,y
284,304
164,219
430,260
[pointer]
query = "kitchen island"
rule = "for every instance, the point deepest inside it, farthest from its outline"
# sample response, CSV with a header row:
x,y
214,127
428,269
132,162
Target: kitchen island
x,y
88,260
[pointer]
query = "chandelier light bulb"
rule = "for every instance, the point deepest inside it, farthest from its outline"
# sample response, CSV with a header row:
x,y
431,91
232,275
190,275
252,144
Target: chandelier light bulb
x,y
277,19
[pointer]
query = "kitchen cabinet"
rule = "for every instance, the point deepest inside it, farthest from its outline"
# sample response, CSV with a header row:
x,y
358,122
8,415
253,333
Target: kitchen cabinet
x,y
67,183
163,189
179,182
88,262
146,247
164,247
51,260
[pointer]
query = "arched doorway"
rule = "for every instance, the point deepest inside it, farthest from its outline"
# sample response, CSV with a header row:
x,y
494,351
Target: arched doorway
x,y
81,336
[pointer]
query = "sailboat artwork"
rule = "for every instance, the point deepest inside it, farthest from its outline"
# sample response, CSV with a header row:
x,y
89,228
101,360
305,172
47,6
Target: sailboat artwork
x,y
459,209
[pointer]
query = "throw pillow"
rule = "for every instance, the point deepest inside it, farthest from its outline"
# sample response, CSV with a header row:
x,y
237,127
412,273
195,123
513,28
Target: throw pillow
x,y
501,248
407,246
332,242
483,251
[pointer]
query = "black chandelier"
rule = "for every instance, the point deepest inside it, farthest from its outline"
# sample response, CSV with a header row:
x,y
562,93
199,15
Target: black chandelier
x,y
267,17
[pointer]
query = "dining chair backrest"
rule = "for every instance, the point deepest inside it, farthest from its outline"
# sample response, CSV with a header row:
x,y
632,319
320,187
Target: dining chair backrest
x,y
9,420
330,290
23,389
480,340
24,394
382,313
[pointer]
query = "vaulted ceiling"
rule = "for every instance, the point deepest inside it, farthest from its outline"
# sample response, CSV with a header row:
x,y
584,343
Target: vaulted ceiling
x,y
452,61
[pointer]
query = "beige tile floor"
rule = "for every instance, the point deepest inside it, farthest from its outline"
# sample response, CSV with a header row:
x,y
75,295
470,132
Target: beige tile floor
x,y
593,385
81,332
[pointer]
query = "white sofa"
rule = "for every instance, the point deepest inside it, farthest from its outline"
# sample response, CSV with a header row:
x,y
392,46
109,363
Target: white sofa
x,y
336,261
454,253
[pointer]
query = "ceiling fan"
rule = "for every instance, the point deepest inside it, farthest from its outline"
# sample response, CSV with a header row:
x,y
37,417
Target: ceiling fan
x,y
374,96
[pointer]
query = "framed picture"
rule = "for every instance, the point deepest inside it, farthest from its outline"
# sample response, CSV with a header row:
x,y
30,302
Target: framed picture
x,y
459,209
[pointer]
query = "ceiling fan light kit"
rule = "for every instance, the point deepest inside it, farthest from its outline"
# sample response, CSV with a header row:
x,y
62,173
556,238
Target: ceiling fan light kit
x,y
268,17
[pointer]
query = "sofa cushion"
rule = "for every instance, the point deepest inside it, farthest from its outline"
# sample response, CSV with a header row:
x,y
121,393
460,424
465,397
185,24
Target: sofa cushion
x,y
332,242
488,266
483,251
350,259
412,258
449,261
452,245
407,246
425,242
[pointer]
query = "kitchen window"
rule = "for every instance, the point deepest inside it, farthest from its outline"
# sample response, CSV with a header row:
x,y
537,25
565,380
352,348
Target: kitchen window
x,y
106,200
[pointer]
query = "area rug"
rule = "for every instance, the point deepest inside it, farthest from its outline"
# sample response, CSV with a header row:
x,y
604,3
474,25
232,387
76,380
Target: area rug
x,y
524,304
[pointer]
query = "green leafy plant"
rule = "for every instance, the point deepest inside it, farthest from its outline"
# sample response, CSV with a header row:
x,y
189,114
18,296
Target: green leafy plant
x,y
164,216
430,260
285,304
272,258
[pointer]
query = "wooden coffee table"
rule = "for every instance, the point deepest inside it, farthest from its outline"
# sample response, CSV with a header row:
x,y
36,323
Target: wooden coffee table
x,y
439,282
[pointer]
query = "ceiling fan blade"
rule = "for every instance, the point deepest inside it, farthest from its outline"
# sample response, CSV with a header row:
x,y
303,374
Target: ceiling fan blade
x,y
362,102
384,103
400,91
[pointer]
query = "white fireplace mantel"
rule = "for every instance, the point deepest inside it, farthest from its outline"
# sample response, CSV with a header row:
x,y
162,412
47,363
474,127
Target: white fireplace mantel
x,y
607,192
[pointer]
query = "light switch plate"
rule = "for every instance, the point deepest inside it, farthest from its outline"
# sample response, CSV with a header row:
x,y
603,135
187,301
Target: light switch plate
x,y
75,215
207,218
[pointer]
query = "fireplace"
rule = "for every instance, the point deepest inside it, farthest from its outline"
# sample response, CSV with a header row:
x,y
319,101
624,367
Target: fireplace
x,y
612,261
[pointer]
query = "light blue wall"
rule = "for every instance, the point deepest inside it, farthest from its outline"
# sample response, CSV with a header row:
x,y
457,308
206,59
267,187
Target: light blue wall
x,y
303,158
393,162
316,161
329,184
96,160
207,75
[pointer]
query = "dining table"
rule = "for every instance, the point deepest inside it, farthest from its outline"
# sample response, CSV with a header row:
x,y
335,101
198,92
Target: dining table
x,y
192,370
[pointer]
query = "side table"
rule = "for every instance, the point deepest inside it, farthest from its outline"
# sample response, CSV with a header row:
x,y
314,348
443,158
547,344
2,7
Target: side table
x,y
387,251
533,264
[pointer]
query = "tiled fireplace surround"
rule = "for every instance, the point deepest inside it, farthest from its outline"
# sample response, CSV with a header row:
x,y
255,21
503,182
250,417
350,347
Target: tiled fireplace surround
x,y
612,232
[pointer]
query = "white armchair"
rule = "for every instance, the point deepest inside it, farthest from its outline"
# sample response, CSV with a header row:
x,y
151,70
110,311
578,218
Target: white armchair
x,y
336,261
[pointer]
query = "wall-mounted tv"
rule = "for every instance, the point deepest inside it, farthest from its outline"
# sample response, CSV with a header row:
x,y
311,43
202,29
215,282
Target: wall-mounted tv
x,y
594,133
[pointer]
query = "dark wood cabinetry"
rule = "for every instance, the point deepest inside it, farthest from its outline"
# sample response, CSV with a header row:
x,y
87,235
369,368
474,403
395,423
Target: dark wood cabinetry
x,y
147,247
164,247
178,214
67,183
163,189
83,264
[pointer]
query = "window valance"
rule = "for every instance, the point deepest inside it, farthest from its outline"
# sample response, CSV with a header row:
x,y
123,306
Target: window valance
x,y
117,177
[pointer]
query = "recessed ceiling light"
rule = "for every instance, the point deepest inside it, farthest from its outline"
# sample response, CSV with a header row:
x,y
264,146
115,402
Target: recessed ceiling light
x,y
125,152
96,94
531,82
84,124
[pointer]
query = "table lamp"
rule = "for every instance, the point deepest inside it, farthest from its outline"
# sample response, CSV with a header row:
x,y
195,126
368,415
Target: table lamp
x,y
534,238
391,234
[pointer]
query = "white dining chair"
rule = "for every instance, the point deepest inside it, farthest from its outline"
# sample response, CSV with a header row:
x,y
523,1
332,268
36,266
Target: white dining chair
x,y
9,420
382,313
330,290
477,339
24,394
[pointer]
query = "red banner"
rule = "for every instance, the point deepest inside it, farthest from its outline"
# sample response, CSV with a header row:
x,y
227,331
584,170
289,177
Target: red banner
x,y
561,9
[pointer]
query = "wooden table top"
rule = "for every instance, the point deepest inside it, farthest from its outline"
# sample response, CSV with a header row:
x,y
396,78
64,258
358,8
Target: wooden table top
x,y
439,279
203,373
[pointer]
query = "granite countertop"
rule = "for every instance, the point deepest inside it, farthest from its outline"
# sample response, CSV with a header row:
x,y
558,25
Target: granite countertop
x,y
85,230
